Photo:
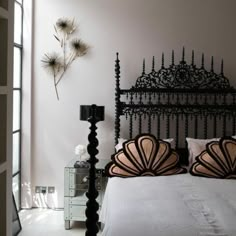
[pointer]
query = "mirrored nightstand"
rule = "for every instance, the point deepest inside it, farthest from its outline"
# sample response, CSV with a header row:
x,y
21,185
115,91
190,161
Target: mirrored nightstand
x,y
75,188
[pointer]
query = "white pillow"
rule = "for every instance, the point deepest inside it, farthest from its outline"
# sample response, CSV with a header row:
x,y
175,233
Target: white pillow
x,y
119,144
196,146
122,140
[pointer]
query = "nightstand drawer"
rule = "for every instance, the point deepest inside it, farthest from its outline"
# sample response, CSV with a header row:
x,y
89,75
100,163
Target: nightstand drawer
x,y
82,200
85,186
73,192
79,179
76,213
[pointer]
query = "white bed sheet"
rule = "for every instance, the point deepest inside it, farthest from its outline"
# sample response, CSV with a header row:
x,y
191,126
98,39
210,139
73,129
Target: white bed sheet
x,y
178,205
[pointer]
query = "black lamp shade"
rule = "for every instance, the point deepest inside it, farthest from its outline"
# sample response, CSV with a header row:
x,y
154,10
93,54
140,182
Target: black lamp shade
x,y
87,111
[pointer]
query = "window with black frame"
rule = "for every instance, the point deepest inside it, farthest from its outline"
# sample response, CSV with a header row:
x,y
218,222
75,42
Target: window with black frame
x,y
17,102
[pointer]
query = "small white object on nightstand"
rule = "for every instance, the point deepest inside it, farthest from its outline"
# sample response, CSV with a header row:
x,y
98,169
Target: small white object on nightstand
x,y
81,152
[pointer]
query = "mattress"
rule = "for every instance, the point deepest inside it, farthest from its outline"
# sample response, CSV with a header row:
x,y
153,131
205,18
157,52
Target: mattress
x,y
177,205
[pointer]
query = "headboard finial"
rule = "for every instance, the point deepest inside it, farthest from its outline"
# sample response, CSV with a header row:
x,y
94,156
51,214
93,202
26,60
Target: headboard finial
x,y
162,60
143,67
173,57
153,63
202,60
222,67
117,66
212,64
183,54
192,57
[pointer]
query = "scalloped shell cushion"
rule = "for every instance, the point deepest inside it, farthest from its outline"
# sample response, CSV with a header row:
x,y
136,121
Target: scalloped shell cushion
x,y
217,161
144,156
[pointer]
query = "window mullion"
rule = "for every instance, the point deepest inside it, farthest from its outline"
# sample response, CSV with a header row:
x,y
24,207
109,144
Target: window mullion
x,y
18,87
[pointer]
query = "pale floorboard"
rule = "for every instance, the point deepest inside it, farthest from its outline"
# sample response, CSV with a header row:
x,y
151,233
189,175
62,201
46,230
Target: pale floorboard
x,y
40,222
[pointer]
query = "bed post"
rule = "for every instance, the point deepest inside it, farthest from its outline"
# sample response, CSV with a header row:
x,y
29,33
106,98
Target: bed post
x,y
117,98
92,114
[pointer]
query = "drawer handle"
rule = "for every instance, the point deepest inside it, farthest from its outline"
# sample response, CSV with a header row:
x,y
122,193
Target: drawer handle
x,y
85,179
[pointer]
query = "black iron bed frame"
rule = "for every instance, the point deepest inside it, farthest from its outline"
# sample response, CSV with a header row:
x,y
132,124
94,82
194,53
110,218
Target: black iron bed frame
x,y
177,101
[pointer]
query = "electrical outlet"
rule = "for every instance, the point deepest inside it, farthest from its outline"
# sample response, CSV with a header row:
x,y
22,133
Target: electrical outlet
x,y
37,189
40,189
51,189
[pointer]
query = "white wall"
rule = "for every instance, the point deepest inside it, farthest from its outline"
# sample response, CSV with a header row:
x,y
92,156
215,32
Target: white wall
x,y
136,29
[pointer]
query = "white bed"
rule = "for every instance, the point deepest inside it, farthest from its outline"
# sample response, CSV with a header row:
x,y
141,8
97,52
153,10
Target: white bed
x,y
177,205
173,102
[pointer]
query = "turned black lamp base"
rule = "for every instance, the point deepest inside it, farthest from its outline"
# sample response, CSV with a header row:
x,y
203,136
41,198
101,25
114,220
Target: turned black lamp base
x,y
92,114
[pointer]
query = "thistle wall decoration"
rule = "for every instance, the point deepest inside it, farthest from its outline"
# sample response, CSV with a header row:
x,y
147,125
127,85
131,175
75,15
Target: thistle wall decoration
x,y
72,48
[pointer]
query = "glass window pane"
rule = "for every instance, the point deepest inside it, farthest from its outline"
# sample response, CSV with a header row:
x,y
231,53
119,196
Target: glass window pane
x,y
16,153
17,67
20,1
3,128
16,189
17,24
16,110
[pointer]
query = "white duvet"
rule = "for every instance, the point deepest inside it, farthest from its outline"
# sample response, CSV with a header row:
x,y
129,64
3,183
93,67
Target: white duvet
x,y
177,205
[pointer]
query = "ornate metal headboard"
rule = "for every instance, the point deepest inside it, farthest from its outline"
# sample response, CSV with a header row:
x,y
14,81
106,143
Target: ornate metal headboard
x,y
177,101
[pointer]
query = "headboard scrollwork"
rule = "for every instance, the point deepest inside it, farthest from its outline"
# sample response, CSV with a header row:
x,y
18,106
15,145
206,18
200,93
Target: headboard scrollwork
x,y
178,101
182,76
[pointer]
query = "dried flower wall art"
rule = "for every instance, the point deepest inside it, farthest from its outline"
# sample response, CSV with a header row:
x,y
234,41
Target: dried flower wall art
x,y
72,48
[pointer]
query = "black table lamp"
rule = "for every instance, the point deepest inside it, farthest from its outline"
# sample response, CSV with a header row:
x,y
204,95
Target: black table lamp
x,y
92,114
